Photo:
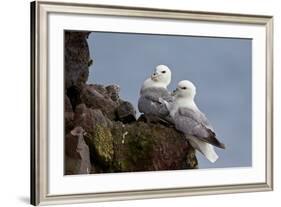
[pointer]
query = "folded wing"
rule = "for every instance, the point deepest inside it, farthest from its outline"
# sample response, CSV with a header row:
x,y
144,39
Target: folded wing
x,y
196,124
149,103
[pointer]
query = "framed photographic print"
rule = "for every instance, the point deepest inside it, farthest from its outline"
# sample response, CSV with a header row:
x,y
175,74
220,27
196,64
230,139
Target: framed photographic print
x,y
134,103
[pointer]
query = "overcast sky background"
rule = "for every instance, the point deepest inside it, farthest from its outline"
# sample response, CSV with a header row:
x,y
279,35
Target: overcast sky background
x,y
219,67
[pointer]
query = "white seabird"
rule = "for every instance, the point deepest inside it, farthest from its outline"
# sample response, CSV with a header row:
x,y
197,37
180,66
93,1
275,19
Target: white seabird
x,y
153,88
192,122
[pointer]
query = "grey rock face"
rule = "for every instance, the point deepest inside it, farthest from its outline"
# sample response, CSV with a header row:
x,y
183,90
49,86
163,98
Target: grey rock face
x,y
113,92
94,97
77,154
126,112
88,118
68,115
76,58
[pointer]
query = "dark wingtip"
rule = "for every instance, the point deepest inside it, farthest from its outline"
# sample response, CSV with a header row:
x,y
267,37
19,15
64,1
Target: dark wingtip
x,y
216,142
221,145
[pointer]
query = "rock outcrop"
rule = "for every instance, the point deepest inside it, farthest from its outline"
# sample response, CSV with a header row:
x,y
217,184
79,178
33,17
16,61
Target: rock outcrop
x,y
113,140
76,58
77,154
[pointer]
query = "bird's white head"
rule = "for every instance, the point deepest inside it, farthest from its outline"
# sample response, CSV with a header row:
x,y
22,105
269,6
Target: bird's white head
x,y
162,74
160,78
185,89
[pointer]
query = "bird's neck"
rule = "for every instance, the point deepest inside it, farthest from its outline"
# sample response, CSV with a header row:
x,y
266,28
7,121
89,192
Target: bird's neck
x,y
187,102
153,84
180,102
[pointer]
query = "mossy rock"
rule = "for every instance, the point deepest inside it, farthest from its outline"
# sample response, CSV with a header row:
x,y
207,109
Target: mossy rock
x,y
100,143
133,147
191,160
146,147
103,143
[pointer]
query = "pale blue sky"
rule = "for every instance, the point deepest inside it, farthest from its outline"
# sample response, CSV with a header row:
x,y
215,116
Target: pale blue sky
x,y
219,67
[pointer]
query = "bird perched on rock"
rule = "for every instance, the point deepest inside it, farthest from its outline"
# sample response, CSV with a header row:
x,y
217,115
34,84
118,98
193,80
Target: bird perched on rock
x,y
153,88
192,122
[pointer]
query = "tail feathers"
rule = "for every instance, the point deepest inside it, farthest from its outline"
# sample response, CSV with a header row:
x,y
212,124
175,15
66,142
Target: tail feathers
x,y
211,155
212,139
206,149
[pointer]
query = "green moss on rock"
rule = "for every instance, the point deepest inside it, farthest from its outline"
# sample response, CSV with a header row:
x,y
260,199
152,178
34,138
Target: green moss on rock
x,y
100,143
140,147
103,143
191,160
144,147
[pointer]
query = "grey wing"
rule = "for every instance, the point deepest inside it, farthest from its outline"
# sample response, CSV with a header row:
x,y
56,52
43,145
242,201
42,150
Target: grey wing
x,y
190,123
205,121
149,103
166,96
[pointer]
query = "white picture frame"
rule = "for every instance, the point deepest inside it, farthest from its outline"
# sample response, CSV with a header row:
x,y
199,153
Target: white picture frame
x,y
49,185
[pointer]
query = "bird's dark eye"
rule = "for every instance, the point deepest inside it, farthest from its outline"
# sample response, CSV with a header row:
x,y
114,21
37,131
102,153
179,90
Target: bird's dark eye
x,y
183,88
163,71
